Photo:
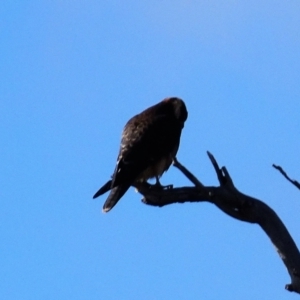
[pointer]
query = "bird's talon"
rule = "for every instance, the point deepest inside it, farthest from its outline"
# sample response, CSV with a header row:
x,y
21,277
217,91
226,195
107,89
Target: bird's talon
x,y
168,187
159,187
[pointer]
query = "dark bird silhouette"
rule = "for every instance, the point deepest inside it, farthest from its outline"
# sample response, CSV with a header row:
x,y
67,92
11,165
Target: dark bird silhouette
x,y
150,141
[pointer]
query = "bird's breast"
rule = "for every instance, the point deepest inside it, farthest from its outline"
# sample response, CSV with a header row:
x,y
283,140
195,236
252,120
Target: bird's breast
x,y
156,169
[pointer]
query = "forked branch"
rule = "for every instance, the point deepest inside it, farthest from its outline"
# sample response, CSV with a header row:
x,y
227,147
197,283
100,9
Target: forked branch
x,y
235,204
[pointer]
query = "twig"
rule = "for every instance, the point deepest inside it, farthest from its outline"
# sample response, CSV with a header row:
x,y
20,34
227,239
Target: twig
x,y
187,173
294,182
236,204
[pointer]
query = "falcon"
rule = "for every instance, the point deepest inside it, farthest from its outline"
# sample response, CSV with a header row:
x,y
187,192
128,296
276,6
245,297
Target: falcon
x,y
149,143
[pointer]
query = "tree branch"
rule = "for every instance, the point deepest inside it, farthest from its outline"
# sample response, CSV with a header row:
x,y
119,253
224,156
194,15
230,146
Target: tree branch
x,y
294,182
235,204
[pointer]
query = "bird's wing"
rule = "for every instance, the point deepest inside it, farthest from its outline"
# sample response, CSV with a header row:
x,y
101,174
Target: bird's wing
x,y
146,139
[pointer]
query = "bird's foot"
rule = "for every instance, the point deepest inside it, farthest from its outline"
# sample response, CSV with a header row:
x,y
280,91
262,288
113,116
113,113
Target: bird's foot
x,y
139,186
157,186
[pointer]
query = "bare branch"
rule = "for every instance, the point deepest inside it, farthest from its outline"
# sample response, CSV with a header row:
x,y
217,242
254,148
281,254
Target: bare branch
x,y
237,205
294,182
187,173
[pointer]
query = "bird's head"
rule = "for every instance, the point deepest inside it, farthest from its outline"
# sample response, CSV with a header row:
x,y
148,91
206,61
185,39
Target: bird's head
x,y
178,108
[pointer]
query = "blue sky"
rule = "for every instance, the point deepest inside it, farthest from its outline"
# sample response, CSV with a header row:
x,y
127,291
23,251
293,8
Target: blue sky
x,y
72,74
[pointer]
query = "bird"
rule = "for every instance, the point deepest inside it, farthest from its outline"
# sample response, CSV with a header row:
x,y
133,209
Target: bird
x,y
149,143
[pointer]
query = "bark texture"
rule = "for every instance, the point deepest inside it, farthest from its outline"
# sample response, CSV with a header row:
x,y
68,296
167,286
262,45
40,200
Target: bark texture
x,y
235,204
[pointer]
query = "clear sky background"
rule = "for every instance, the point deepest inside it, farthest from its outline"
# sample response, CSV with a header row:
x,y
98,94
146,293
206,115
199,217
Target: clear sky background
x,y
72,74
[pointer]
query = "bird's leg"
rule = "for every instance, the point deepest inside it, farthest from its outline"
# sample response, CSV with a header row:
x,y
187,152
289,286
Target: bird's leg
x,y
139,185
159,186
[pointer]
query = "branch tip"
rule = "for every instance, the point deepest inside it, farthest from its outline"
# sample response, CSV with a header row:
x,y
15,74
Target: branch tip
x,y
289,287
294,182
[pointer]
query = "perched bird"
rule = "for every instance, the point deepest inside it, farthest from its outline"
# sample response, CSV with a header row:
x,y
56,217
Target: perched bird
x,y
149,143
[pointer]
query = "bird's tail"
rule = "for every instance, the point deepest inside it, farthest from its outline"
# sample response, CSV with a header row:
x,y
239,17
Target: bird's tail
x,y
106,187
114,196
